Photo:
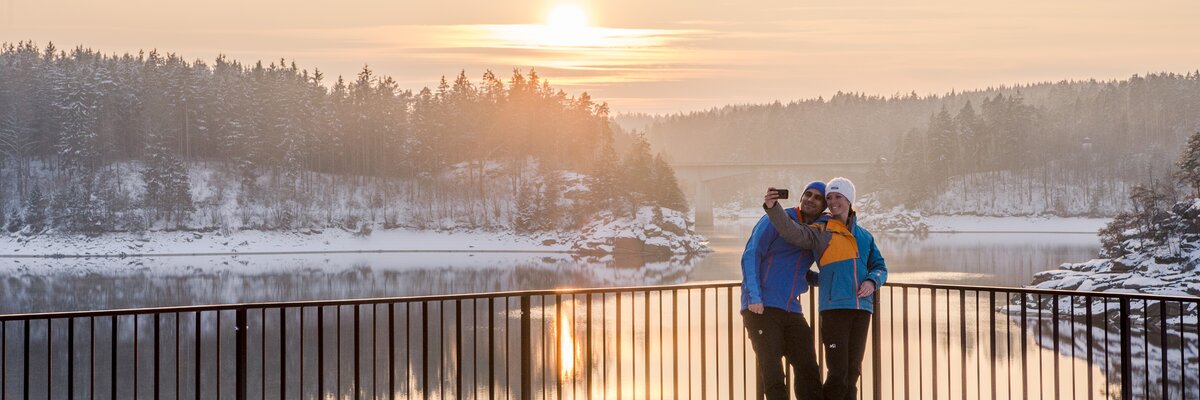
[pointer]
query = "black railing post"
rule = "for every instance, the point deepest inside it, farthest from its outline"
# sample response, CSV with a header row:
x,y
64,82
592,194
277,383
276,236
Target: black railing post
x,y
157,354
458,347
357,352
321,352
1166,348
587,352
425,385
71,358
525,350
876,352
703,345
1126,357
112,359
1054,333
240,332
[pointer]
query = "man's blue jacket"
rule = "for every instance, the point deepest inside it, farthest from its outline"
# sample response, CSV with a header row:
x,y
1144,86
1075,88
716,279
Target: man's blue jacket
x,y
773,271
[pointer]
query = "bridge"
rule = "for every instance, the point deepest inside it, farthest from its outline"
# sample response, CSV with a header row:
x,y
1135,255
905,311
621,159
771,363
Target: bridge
x,y
678,341
695,178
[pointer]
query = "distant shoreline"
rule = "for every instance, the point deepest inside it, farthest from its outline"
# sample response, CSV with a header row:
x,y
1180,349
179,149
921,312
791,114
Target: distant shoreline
x,y
990,225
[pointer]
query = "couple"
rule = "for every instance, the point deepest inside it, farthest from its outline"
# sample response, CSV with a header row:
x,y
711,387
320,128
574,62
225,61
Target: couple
x,y
775,271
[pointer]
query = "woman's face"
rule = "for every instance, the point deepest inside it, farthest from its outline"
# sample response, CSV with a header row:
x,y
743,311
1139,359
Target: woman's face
x,y
839,205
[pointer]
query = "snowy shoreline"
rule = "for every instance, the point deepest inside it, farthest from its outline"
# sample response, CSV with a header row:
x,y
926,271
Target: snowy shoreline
x,y
963,223
662,233
334,240
185,243
975,224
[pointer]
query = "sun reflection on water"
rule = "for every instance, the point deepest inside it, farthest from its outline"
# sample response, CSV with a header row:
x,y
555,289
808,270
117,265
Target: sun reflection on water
x,y
566,342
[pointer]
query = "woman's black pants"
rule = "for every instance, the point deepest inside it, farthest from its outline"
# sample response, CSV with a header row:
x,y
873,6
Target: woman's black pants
x,y
844,335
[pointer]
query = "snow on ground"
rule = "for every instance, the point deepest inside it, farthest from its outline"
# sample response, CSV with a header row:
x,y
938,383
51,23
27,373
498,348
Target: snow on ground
x,y
664,232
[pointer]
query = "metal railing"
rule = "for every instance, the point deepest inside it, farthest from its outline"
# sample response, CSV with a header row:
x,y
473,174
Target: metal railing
x,y
681,341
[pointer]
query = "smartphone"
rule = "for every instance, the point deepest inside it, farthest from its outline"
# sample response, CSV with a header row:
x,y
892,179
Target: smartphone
x,y
783,193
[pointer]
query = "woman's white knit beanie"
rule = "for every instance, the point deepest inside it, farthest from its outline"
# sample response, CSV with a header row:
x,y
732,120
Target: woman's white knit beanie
x,y
841,185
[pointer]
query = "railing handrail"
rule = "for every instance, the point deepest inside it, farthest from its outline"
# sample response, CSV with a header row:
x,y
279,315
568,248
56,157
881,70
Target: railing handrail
x,y
363,301
546,292
1027,290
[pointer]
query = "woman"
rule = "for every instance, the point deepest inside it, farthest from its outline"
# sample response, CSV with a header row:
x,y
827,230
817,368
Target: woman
x,y
851,269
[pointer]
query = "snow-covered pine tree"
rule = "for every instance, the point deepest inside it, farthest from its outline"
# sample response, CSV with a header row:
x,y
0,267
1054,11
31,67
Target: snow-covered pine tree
x,y
526,218
971,144
14,222
35,211
638,171
943,146
168,190
75,99
1150,207
548,211
1189,164
911,164
667,187
605,177
78,208
288,132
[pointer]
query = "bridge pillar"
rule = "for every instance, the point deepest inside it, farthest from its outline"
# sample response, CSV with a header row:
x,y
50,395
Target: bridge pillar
x,y
702,203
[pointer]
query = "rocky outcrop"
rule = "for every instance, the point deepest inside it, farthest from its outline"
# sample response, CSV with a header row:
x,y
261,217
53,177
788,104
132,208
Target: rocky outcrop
x,y
652,231
873,216
1161,257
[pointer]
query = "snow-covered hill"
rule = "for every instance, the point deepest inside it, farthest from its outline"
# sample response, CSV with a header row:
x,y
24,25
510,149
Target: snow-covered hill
x,y
1006,194
338,213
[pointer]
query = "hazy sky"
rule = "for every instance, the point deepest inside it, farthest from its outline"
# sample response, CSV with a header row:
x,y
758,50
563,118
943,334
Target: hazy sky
x,y
653,56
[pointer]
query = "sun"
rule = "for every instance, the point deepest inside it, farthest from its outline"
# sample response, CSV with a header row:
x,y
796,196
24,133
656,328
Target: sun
x,y
566,28
567,18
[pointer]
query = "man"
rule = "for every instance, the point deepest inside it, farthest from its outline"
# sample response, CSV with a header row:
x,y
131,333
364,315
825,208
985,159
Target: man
x,y
774,274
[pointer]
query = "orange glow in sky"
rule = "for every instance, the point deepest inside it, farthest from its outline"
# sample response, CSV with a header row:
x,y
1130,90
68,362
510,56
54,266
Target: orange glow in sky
x,y
660,56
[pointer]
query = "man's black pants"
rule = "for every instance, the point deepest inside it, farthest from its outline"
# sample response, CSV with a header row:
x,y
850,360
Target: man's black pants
x,y
844,335
777,334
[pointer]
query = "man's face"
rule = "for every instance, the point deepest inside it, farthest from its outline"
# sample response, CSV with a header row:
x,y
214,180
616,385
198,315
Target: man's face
x,y
812,202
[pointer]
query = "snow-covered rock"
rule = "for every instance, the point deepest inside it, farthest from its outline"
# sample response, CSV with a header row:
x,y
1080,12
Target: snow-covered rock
x,y
896,220
1145,262
1145,275
652,230
1167,270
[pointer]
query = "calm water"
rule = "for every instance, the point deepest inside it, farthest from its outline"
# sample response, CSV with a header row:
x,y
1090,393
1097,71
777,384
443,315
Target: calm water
x,y
38,285
661,347
995,259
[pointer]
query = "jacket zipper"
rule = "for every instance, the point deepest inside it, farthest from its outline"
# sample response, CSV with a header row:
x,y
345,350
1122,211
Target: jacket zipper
x,y
792,295
857,304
